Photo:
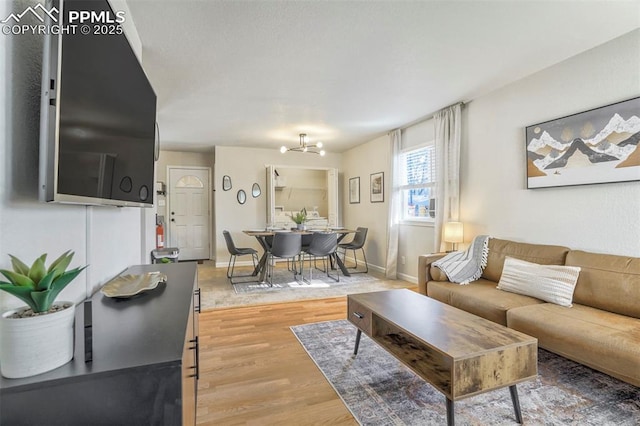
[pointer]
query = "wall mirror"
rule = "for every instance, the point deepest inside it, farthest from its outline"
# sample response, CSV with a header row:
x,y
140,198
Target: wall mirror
x,y
255,190
242,196
226,183
293,188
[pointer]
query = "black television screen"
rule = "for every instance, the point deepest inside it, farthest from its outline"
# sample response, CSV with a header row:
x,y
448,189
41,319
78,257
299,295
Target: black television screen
x,y
98,131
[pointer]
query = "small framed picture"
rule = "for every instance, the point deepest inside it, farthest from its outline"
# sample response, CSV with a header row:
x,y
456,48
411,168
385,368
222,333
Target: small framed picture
x,y
354,190
377,187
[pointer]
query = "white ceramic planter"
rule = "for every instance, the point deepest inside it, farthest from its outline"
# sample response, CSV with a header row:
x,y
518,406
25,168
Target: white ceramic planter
x,y
30,346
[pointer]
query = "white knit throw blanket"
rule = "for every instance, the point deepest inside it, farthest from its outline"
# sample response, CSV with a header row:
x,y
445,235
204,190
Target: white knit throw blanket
x,y
462,267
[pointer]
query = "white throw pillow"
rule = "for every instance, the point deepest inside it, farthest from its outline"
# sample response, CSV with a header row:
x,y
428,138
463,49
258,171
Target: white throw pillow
x,y
551,283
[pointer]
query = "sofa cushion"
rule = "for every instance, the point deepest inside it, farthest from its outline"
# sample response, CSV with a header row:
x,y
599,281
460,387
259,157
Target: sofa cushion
x,y
551,283
602,340
607,282
480,298
536,253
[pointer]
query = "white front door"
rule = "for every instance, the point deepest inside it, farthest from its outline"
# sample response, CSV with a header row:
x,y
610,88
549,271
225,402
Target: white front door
x,y
188,213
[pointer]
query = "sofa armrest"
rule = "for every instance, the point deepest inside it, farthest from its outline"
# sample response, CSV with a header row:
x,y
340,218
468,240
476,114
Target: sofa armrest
x,y
424,264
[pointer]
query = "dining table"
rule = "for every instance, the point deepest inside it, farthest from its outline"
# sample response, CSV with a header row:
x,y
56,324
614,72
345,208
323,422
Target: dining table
x,y
262,234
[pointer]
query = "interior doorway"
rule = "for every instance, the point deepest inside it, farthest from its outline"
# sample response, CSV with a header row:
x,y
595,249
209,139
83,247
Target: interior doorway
x,y
188,214
292,188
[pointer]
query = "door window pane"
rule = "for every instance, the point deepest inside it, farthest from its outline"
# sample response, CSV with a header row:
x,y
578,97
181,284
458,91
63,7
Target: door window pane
x,y
189,182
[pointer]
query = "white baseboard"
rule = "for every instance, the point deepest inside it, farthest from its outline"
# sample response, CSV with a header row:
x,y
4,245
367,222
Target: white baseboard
x,y
382,270
351,261
378,268
409,278
238,263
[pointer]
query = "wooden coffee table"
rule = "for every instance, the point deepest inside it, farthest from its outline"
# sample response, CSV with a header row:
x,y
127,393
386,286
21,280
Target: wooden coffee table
x,y
460,354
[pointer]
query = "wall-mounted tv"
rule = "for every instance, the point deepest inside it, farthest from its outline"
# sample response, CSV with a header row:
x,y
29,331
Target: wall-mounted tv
x,y
98,136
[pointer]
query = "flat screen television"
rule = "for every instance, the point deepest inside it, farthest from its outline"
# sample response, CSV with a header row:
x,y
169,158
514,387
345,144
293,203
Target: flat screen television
x,y
98,132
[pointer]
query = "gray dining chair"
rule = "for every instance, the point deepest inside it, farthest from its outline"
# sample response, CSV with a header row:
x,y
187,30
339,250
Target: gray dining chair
x,y
323,245
356,244
285,245
306,241
234,252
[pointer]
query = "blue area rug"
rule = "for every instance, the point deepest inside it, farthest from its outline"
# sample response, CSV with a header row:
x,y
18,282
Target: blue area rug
x,y
379,390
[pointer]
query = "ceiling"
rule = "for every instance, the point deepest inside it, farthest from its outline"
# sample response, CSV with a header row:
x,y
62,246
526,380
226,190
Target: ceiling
x,y
258,73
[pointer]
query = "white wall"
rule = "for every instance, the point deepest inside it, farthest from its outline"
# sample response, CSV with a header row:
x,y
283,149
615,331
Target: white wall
x,y
495,201
107,238
246,166
362,161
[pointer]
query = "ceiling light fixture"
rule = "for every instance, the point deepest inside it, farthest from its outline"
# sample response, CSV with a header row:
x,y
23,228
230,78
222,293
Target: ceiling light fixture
x,y
305,147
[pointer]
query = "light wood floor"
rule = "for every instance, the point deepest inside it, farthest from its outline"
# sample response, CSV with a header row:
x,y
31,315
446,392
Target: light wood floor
x,y
255,372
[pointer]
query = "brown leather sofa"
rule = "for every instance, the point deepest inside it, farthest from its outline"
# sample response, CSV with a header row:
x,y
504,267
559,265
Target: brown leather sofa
x,y
601,329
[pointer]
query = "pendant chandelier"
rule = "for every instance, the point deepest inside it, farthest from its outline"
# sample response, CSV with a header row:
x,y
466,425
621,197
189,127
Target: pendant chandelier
x,y
305,147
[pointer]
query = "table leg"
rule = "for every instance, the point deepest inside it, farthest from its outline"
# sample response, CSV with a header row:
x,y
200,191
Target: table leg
x,y
262,265
345,271
336,256
516,403
358,335
450,413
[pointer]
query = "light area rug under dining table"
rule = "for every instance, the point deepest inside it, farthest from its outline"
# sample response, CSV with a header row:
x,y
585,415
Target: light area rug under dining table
x,y
218,292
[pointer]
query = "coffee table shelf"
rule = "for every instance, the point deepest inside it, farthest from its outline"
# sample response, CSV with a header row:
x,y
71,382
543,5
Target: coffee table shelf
x,y
416,355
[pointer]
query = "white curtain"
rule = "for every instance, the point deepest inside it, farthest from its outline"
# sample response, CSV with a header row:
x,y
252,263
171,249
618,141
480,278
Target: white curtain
x,y
395,138
447,132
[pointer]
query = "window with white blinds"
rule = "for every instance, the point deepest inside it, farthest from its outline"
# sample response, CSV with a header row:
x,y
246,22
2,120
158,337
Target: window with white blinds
x,y
419,183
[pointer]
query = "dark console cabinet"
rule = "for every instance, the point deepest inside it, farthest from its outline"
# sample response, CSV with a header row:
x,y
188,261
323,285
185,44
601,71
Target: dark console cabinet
x,y
145,362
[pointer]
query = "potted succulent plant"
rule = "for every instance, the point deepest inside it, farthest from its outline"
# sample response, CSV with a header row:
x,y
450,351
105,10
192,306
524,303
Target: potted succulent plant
x,y
300,218
38,337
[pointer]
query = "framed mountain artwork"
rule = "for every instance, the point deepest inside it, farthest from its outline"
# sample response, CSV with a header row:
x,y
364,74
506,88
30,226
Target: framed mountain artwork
x,y
595,146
